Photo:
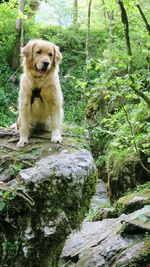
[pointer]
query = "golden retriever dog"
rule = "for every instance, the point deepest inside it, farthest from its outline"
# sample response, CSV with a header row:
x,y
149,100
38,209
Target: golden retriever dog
x,y
40,96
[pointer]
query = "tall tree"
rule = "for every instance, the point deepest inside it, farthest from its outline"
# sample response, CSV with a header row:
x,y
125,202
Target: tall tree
x,y
109,18
19,22
75,12
87,52
147,26
19,36
125,22
88,29
105,12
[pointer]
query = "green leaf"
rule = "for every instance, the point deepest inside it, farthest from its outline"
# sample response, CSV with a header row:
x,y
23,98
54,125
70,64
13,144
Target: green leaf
x,y
6,194
11,196
2,205
148,44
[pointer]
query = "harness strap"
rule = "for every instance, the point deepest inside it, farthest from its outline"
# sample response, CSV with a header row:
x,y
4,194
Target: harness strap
x,y
36,93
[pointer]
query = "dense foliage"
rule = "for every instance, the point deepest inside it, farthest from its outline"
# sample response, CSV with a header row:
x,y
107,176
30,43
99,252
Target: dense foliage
x,y
101,87
120,118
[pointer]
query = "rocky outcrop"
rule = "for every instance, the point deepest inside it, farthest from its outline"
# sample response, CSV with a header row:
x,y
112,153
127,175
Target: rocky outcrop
x,y
133,201
127,204
45,191
117,242
127,176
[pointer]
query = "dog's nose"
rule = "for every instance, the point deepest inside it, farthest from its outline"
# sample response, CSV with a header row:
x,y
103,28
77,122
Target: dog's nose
x,y
45,63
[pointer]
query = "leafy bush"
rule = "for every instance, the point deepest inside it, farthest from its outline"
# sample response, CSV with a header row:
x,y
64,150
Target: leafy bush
x,y
8,97
8,17
119,118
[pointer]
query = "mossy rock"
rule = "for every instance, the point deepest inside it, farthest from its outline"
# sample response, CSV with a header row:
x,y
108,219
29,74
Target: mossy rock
x,y
134,200
127,176
45,198
104,213
137,222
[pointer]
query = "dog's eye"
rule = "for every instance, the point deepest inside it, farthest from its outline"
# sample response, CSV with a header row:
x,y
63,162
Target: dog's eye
x,y
50,54
39,52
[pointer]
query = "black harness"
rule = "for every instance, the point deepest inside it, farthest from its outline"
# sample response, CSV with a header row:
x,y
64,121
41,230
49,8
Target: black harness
x,y
36,93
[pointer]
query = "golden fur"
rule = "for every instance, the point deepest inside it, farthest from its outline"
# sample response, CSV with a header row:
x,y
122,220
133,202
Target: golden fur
x,y
48,111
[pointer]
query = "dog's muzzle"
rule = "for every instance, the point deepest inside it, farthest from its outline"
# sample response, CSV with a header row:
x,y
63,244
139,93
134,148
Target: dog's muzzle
x,y
43,68
45,65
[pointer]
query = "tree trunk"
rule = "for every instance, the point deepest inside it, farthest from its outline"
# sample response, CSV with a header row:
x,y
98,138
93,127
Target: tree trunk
x,y
75,12
105,13
144,19
19,37
125,22
88,30
147,27
87,43
110,16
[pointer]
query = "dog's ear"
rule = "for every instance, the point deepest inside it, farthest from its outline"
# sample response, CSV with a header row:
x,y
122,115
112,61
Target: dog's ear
x,y
57,55
28,50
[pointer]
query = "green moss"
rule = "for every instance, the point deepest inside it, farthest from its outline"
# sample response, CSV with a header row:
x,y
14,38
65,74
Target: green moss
x,y
144,258
125,205
10,249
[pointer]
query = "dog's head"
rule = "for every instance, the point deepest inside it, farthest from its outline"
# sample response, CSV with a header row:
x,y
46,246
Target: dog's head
x,y
41,56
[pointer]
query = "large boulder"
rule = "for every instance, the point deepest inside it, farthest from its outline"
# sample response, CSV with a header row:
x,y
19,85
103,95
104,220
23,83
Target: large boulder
x,y
113,242
45,191
127,175
133,201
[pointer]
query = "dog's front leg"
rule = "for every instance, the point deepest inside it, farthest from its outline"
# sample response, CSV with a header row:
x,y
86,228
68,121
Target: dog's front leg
x,y
24,121
56,123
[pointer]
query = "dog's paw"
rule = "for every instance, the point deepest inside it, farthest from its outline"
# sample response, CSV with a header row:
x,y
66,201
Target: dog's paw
x,y
56,137
22,142
14,128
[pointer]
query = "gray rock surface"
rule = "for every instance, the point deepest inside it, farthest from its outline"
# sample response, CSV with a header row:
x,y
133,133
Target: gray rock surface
x,y
110,243
53,185
137,222
70,166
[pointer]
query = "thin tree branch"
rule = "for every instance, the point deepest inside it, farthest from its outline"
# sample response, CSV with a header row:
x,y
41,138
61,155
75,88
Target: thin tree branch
x,y
139,92
144,18
133,139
